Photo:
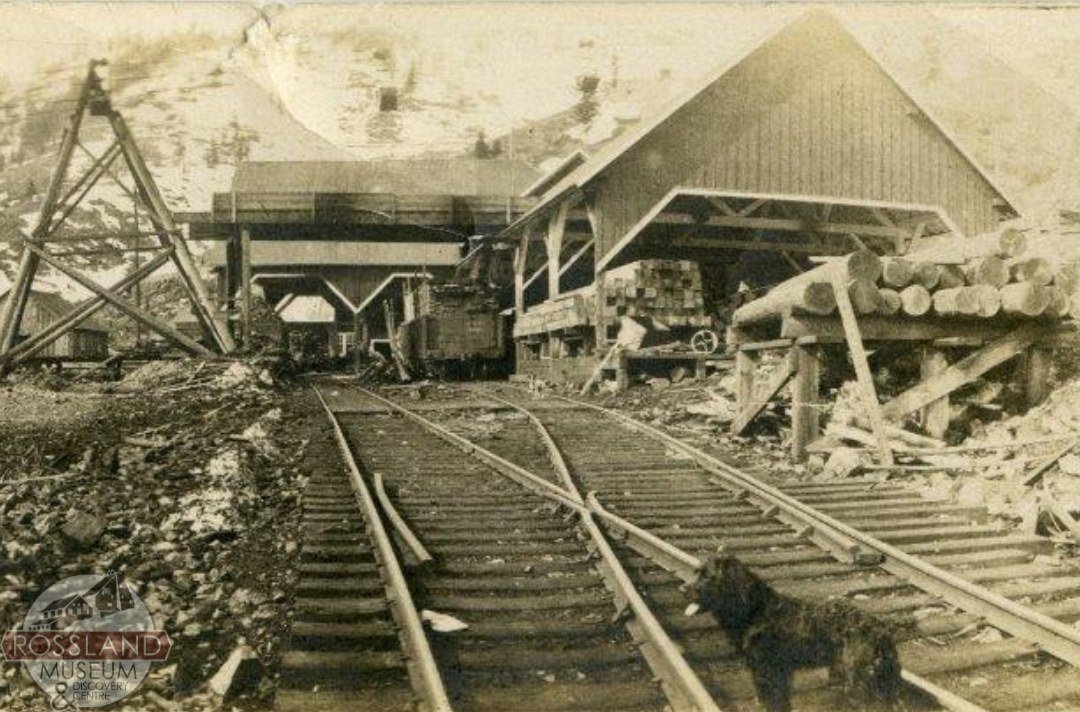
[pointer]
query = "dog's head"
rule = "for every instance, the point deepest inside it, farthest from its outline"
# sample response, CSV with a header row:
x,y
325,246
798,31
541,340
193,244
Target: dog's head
x,y
729,590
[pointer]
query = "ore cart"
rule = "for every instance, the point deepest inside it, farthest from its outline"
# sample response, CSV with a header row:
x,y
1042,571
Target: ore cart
x,y
458,332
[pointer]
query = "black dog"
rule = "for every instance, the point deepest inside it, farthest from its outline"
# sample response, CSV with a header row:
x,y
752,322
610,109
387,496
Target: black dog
x,y
777,635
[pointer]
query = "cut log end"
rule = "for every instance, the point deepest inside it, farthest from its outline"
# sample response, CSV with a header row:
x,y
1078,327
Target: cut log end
x,y
915,300
897,272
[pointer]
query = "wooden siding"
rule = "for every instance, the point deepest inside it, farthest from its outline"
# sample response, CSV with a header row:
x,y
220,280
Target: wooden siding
x,y
77,344
808,113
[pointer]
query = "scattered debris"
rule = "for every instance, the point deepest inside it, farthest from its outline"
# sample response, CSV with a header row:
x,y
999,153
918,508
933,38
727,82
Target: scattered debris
x,y
441,622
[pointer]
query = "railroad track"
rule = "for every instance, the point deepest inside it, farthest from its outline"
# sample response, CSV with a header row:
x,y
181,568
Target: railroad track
x,y
356,640
996,576
552,622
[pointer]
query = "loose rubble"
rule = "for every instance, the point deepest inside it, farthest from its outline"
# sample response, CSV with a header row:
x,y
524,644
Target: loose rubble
x,y
192,496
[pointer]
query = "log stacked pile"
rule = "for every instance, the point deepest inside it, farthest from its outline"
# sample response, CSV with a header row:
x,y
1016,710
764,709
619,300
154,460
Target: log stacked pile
x,y
1002,282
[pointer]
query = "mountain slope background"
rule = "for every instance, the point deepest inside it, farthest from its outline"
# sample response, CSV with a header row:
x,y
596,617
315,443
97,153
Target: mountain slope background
x,y
208,86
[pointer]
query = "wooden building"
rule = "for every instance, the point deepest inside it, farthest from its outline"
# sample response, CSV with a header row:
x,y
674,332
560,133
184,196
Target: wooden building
x,y
803,144
89,341
353,232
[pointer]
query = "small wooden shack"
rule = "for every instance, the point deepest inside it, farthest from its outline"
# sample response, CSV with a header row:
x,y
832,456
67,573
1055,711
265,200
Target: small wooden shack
x,y
89,341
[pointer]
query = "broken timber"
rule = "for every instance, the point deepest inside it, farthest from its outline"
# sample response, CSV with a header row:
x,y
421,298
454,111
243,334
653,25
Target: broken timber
x,y
55,210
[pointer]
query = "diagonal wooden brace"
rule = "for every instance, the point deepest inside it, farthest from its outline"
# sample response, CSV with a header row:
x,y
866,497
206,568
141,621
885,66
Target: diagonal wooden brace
x,y
36,342
964,371
122,304
757,402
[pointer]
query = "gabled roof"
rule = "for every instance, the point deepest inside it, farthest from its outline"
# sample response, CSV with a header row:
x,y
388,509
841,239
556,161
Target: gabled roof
x,y
592,167
423,176
556,174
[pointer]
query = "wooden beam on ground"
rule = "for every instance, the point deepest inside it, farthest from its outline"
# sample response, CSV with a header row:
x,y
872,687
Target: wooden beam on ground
x,y
862,366
964,371
757,401
1037,474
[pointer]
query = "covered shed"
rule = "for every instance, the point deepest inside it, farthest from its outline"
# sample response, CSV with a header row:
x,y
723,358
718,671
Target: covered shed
x,y
88,341
802,144
346,231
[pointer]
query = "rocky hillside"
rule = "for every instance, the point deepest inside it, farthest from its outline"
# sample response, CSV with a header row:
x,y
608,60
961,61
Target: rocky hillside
x,y
308,83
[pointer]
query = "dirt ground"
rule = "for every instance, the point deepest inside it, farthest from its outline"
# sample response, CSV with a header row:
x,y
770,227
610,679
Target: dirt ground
x,y
191,493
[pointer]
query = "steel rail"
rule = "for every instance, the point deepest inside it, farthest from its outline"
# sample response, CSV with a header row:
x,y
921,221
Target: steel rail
x,y
680,683
408,538
1053,636
685,566
423,672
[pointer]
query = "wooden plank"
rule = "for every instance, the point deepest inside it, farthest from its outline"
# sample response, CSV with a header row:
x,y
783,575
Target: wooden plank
x,y
766,345
757,401
872,328
1037,474
862,366
805,411
963,371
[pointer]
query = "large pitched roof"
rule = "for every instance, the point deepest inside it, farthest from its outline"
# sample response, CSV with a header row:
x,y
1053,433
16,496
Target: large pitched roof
x,y
425,176
595,165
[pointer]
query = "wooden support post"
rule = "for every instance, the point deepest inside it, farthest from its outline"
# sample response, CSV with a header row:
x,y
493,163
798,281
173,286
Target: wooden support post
x,y
805,410
245,286
745,365
622,372
521,253
935,417
598,317
862,366
1037,375
553,242
699,369
357,339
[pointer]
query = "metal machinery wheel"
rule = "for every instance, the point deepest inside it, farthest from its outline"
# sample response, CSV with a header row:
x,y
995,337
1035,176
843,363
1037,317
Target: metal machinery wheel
x,y
705,341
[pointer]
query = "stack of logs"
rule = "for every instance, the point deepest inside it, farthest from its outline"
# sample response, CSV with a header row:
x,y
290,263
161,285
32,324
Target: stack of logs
x,y
1001,282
